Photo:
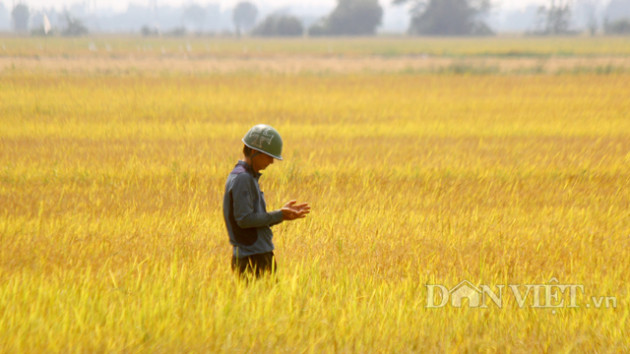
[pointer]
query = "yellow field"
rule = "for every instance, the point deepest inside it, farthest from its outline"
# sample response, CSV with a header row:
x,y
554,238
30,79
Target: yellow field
x,y
111,187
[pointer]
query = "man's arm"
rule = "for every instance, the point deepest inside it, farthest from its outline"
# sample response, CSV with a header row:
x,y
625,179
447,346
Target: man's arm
x,y
243,199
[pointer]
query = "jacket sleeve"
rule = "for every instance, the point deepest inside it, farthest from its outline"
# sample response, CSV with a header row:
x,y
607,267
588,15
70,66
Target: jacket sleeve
x,y
243,195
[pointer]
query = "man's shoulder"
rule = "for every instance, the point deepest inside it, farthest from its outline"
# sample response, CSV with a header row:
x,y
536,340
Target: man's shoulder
x,y
239,176
239,169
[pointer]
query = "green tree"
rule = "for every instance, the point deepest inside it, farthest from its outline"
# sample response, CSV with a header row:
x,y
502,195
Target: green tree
x,y
74,26
617,27
355,17
350,17
20,15
244,16
447,17
279,25
555,17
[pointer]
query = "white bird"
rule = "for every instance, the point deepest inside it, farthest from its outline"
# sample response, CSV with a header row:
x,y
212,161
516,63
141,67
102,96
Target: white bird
x,y
47,26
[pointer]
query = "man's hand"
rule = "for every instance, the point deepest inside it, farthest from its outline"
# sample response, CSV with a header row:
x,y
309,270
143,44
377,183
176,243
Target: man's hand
x,y
292,211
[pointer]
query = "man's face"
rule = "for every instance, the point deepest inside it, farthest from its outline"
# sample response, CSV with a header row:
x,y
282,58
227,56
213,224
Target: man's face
x,y
261,161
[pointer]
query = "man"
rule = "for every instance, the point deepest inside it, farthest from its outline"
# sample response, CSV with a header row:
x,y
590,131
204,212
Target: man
x,y
244,209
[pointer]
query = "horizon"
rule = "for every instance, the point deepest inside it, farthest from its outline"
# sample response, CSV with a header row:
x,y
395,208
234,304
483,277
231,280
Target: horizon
x,y
504,16
123,5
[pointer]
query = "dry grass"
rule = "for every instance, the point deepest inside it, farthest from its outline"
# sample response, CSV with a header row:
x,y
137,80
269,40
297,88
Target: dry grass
x,y
112,236
295,65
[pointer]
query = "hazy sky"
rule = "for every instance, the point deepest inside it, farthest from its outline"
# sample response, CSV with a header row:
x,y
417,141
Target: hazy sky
x,y
121,5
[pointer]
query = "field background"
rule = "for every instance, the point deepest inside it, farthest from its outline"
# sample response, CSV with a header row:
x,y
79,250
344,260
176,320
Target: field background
x,y
426,161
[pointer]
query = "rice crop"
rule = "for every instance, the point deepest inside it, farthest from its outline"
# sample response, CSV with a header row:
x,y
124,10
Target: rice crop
x,y
112,237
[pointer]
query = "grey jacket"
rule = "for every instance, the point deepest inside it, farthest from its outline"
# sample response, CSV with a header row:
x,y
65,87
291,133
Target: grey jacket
x,y
245,213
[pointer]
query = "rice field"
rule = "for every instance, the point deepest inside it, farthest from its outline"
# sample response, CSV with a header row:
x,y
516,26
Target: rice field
x,y
482,166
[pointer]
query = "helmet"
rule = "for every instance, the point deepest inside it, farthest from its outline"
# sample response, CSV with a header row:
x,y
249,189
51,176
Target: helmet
x,y
266,139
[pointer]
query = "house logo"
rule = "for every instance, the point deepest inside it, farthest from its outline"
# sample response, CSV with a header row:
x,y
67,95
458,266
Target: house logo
x,y
464,294
466,291
550,295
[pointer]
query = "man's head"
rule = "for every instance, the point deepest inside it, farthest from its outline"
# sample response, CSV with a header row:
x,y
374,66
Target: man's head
x,y
262,144
258,160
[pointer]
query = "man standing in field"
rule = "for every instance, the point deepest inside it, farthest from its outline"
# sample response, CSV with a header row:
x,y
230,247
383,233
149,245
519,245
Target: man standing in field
x,y
244,209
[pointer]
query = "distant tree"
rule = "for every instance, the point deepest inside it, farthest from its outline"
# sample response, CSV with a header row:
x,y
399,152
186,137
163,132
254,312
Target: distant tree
x,y
148,31
176,32
555,17
350,17
589,13
617,27
447,17
195,14
279,25
318,29
74,26
20,15
355,17
244,16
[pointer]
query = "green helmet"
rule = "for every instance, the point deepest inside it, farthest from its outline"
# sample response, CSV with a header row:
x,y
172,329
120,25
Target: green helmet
x,y
266,139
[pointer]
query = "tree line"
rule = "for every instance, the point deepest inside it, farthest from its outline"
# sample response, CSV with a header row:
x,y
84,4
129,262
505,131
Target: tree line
x,y
428,18
362,18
